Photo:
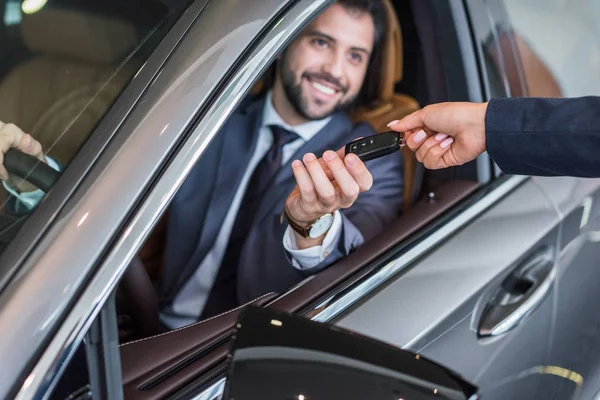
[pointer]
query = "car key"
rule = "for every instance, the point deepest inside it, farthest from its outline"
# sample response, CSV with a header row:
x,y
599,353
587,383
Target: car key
x,y
376,146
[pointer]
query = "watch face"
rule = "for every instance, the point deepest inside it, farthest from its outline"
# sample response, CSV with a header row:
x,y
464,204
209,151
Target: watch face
x,y
321,226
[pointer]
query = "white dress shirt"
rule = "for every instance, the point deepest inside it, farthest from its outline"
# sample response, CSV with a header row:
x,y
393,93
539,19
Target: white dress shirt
x,y
189,302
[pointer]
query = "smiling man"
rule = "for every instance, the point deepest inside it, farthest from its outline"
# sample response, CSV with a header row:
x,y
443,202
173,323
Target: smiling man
x,y
261,211
336,203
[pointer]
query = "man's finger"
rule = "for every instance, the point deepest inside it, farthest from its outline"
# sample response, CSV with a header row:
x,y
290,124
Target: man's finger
x,y
349,188
359,171
326,169
324,188
304,182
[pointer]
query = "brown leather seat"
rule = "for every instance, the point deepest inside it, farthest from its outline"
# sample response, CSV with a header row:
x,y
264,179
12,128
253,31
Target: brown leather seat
x,y
60,93
392,105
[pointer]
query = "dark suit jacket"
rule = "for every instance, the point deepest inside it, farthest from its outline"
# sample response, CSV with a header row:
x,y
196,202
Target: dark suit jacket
x,y
545,137
200,206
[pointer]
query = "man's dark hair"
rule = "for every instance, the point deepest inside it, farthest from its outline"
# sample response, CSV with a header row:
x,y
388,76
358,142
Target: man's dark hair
x,y
370,90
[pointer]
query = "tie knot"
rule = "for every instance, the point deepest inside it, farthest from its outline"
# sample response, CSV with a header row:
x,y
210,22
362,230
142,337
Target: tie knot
x,y
282,136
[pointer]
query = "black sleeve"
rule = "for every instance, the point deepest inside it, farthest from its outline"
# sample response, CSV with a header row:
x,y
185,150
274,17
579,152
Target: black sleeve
x,y
545,137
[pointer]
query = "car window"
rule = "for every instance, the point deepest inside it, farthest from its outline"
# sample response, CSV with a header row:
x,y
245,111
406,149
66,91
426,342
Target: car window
x,y
225,240
63,64
559,45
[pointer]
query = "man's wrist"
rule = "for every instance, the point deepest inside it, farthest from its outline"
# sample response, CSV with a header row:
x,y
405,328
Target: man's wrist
x,y
303,223
324,244
316,228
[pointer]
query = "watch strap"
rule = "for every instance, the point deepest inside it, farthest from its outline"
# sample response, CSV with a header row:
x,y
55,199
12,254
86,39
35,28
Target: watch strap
x,y
304,232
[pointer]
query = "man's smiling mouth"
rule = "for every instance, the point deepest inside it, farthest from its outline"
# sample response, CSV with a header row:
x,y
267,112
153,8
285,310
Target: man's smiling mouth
x,y
323,89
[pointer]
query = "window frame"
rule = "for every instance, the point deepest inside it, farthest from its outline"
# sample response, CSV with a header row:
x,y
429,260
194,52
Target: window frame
x,y
102,277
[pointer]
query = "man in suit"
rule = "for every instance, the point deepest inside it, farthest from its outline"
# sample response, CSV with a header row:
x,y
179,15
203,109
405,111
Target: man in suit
x,y
524,136
226,243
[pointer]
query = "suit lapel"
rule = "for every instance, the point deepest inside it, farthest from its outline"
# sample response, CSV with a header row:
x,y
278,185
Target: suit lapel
x,y
240,136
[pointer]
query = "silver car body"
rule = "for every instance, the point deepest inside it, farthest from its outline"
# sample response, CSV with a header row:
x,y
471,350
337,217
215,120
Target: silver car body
x,y
429,299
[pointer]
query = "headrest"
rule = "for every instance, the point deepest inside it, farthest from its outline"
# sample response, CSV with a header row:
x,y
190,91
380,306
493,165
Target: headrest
x,y
392,53
91,38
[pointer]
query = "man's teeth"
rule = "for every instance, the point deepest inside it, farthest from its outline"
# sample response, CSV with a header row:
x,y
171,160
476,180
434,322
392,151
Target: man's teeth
x,y
323,89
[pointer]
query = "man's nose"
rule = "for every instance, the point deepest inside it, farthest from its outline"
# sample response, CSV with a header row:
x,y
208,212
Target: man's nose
x,y
335,65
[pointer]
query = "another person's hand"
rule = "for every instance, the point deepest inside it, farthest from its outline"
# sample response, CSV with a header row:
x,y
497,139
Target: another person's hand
x,y
445,134
11,136
323,186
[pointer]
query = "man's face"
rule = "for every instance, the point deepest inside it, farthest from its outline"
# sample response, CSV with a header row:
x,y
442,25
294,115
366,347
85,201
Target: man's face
x,y
323,69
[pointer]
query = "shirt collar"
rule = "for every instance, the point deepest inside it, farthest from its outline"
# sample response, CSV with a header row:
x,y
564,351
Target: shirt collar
x,y
306,130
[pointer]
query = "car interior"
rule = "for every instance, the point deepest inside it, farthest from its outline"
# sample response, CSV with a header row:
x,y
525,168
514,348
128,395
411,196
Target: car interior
x,y
78,87
57,86
412,61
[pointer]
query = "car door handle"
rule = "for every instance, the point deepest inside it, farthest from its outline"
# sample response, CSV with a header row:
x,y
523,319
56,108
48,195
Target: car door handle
x,y
519,294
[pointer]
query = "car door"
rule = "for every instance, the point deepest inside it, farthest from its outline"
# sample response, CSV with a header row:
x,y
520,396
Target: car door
x,y
206,75
477,299
455,288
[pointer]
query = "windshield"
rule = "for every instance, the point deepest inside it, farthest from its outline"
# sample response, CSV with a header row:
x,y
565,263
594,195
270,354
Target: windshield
x,y
63,65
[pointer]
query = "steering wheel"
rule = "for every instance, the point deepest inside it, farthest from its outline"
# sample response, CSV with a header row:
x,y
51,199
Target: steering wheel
x,y
137,295
30,169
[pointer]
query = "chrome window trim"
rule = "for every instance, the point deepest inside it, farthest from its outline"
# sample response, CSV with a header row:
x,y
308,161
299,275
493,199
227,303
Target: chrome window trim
x,y
90,302
214,391
335,305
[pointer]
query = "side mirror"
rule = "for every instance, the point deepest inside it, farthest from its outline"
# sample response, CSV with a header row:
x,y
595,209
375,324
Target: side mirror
x,y
280,356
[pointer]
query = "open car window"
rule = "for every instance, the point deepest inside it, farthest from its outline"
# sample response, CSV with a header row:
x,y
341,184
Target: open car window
x,y
64,64
187,254
196,206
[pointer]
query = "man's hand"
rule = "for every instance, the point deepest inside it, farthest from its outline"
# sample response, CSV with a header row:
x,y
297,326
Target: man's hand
x,y
324,186
11,136
446,134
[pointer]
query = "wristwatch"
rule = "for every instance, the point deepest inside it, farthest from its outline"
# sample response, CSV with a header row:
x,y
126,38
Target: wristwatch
x,y
315,229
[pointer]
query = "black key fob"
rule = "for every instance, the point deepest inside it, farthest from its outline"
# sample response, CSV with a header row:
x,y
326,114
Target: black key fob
x,y
376,146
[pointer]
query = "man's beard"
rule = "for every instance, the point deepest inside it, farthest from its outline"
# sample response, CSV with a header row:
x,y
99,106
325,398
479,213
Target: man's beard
x,y
293,92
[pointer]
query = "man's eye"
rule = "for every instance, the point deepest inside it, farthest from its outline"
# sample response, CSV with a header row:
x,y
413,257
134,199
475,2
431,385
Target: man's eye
x,y
356,57
320,42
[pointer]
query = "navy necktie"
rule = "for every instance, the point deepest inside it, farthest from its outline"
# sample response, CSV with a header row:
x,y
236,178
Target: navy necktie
x,y
257,186
267,168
